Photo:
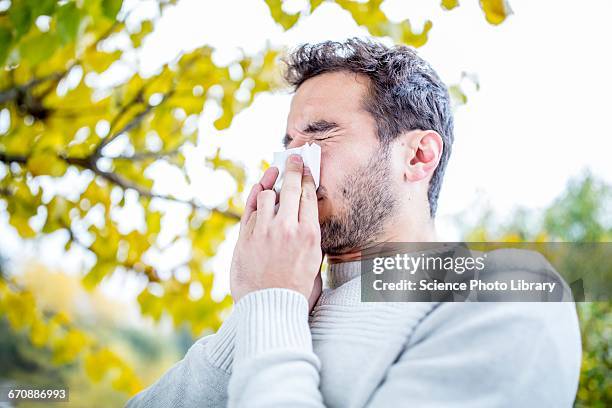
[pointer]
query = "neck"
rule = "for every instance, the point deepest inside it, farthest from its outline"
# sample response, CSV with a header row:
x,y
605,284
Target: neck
x,y
408,230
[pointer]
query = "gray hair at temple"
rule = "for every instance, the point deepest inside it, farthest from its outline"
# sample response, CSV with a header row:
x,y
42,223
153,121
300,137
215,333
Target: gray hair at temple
x,y
405,93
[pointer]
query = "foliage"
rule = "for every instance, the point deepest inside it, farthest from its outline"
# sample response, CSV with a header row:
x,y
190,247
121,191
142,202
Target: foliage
x,y
147,353
65,343
578,215
58,121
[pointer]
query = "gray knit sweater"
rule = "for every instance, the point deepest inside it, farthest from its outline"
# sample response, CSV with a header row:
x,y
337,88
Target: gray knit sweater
x,y
271,353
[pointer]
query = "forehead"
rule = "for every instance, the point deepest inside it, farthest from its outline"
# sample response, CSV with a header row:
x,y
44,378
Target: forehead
x,y
332,96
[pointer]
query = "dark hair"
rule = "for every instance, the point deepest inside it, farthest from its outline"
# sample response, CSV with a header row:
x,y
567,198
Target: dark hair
x,y
405,93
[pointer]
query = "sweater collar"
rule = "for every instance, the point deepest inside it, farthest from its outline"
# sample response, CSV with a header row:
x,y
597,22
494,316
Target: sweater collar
x,y
340,273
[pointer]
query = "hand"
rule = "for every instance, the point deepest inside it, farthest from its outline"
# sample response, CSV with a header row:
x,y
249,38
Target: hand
x,y
281,250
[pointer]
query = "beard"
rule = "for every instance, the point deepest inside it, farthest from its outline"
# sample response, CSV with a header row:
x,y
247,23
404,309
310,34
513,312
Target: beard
x,y
368,200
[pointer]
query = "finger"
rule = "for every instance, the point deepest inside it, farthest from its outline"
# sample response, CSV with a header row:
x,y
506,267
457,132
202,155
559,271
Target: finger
x,y
309,207
251,204
265,207
269,178
291,189
266,183
250,225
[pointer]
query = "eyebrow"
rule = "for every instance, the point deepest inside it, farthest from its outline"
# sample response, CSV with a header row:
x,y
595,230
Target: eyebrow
x,y
318,126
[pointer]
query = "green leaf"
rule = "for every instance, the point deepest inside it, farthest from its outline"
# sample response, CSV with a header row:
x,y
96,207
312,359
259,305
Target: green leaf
x,y
457,94
68,19
42,7
21,17
38,48
110,8
6,39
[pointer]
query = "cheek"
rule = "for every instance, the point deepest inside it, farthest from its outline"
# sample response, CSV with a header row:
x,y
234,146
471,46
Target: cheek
x,y
331,172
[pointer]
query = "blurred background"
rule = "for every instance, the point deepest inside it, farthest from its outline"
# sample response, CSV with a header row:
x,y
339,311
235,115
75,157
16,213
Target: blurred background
x,y
130,130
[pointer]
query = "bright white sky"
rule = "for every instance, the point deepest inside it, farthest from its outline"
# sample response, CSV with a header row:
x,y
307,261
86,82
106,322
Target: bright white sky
x,y
538,119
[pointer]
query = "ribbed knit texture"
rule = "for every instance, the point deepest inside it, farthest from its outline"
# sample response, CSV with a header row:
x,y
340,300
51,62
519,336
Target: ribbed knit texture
x,y
220,350
271,319
346,353
340,273
220,347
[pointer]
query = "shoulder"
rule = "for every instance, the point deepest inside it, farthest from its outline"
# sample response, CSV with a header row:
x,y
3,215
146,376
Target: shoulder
x,y
519,348
553,319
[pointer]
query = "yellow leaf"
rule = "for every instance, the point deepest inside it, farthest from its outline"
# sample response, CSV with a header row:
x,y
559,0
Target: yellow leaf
x,y
97,273
409,37
282,18
153,222
39,334
20,309
127,382
150,305
46,163
22,226
97,193
99,363
457,94
496,11
67,348
100,61
449,4
314,4
145,28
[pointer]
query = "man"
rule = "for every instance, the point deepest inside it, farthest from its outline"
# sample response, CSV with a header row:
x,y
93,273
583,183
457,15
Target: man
x,y
383,120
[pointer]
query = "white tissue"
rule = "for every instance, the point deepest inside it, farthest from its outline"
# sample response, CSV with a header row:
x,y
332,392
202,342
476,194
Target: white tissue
x,y
311,155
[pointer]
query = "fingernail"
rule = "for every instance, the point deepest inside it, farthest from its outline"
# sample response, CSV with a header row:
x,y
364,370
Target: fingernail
x,y
296,158
307,171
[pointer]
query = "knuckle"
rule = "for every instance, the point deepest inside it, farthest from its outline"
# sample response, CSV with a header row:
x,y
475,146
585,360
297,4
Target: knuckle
x,y
264,196
261,231
309,181
308,194
286,227
311,234
268,193
291,189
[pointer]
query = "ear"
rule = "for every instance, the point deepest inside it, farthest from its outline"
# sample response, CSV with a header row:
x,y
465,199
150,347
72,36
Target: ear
x,y
424,149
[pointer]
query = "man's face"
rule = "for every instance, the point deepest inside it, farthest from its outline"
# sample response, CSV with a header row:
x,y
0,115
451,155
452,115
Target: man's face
x,y
356,195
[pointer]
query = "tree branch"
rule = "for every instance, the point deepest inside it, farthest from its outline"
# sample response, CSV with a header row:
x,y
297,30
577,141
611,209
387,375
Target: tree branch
x,y
5,158
146,155
89,163
10,94
113,134
6,192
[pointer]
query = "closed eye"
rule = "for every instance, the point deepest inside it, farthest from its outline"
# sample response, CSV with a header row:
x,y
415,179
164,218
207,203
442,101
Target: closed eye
x,y
319,127
324,138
